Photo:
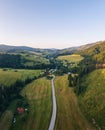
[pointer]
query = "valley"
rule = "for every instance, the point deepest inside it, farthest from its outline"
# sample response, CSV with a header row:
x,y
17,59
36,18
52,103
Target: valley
x,y
26,94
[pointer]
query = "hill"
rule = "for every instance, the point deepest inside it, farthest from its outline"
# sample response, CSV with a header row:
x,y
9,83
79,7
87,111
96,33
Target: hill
x,y
84,49
96,51
24,60
12,82
65,51
25,57
92,98
12,49
89,49
39,97
72,50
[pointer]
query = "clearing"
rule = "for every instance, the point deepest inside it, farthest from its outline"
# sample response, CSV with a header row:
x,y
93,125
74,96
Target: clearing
x,y
71,58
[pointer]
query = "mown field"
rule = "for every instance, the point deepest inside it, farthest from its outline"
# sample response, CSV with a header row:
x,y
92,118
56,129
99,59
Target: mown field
x,y
69,115
92,100
9,76
7,116
38,94
71,58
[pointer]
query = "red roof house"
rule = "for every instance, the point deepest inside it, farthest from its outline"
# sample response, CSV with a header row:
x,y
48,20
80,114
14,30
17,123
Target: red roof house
x,y
20,110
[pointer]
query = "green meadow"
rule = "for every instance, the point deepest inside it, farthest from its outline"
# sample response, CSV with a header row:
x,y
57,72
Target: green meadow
x,y
71,58
92,100
38,95
9,76
69,115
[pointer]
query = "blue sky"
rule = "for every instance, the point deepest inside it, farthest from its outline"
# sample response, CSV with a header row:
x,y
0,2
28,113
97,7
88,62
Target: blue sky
x,y
51,23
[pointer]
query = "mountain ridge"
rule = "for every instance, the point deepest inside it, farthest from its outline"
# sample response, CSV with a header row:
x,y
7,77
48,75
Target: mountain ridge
x,y
9,48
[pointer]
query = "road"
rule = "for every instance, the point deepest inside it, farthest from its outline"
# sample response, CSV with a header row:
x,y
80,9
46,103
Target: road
x,y
54,108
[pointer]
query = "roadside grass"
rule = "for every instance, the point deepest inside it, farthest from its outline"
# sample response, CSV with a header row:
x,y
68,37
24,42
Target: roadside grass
x,y
38,94
9,76
92,101
76,58
69,115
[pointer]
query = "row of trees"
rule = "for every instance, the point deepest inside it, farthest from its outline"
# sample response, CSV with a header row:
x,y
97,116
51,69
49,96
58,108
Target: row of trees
x,y
7,60
73,79
85,66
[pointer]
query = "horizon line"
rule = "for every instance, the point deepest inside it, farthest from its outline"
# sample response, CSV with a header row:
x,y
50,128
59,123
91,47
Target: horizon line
x,y
7,44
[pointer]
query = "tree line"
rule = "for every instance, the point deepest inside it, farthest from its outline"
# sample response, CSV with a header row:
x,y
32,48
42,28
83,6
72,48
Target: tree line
x,y
75,77
18,62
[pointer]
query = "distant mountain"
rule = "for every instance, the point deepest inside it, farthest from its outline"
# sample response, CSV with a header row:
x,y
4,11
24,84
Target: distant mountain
x,y
84,49
67,51
70,50
85,46
5,48
87,49
13,49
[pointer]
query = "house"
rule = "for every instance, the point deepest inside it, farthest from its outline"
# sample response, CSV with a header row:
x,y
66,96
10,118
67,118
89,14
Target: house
x,y
20,110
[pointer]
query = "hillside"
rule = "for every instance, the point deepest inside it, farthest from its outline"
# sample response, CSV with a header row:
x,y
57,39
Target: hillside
x,y
25,57
29,60
38,94
89,49
71,58
92,98
12,82
96,51
13,49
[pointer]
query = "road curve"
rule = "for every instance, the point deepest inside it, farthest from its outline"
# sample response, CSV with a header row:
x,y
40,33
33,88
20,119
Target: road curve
x,y
54,108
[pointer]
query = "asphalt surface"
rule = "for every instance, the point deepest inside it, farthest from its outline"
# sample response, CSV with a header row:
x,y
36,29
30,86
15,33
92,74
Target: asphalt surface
x,y
54,108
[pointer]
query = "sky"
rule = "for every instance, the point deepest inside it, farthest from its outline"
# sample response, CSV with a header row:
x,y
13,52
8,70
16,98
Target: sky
x,y
51,23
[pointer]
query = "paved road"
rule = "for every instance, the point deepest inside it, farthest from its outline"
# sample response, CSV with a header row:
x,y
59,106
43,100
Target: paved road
x,y
54,109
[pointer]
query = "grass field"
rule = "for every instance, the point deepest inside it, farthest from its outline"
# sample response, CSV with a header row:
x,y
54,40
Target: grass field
x,y
39,97
10,76
71,58
69,116
32,59
5,120
92,101
7,116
